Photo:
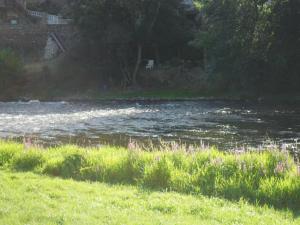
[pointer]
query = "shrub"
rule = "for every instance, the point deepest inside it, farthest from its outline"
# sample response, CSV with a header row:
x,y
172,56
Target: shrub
x,y
7,152
280,192
92,173
133,167
71,165
158,173
53,167
27,161
181,181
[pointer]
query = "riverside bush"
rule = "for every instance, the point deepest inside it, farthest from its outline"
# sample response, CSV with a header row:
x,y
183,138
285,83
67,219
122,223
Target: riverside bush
x,y
27,161
268,177
8,150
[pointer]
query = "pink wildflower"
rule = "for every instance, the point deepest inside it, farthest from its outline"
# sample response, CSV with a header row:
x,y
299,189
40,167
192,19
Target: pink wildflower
x,y
27,143
174,146
280,168
191,149
217,161
132,145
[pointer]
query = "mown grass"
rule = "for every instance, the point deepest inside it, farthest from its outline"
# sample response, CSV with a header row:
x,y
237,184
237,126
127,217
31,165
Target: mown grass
x,y
27,198
269,177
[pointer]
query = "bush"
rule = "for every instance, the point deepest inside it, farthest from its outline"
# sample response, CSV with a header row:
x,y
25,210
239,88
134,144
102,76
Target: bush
x,y
158,173
7,151
53,167
27,161
280,192
71,165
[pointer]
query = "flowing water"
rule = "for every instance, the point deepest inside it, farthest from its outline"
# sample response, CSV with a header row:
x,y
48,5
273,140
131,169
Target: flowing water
x,y
227,124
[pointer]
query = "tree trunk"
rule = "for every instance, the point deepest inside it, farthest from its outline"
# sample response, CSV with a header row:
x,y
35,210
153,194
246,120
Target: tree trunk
x,y
205,60
138,63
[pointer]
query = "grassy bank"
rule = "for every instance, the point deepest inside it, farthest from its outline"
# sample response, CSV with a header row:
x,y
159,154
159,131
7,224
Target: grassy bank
x,y
27,198
193,95
170,95
269,177
53,93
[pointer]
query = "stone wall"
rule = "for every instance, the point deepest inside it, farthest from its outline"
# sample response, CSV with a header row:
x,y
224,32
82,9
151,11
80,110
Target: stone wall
x,y
30,40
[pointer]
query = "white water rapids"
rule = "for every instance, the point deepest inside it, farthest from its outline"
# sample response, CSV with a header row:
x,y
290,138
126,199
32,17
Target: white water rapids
x,y
222,123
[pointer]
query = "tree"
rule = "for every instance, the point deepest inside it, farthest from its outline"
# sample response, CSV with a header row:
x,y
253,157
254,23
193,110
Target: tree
x,y
130,25
252,45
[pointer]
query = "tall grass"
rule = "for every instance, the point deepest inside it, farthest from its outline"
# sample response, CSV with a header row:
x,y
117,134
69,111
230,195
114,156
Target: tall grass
x,y
269,177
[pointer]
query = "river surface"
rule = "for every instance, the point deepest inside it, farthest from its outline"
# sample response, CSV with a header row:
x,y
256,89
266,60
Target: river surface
x,y
226,124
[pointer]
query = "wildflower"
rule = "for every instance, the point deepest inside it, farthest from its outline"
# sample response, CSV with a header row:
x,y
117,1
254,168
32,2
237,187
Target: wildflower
x,y
27,143
239,151
174,146
191,149
280,168
217,161
132,145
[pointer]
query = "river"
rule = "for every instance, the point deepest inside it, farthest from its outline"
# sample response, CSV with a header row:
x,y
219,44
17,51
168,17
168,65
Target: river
x,y
226,124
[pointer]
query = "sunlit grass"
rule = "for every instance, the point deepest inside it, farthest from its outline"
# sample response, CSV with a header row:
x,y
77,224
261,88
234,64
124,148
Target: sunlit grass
x,y
26,198
268,177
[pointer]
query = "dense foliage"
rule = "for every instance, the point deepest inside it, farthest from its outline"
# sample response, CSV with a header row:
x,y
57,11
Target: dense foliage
x,y
10,67
123,29
250,46
269,177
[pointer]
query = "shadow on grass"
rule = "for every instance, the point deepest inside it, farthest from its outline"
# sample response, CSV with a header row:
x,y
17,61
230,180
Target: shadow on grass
x,y
149,190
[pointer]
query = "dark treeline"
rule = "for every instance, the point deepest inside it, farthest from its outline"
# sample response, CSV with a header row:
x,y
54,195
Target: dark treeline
x,y
240,46
123,32
250,45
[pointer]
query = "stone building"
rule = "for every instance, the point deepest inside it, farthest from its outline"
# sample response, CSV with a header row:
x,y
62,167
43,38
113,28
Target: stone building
x,y
34,35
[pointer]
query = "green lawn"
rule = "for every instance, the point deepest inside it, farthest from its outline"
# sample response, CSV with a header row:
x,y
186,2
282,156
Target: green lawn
x,y
26,198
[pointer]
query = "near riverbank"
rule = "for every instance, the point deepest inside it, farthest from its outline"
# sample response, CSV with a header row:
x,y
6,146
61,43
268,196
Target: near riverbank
x,y
151,95
269,178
